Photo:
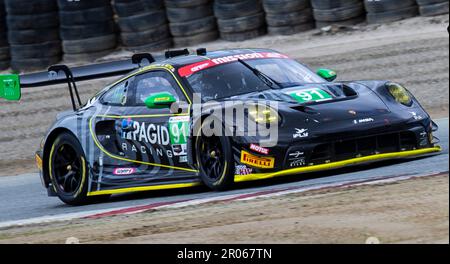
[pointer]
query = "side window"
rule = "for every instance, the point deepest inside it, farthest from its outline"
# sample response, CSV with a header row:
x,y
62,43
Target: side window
x,y
117,95
155,82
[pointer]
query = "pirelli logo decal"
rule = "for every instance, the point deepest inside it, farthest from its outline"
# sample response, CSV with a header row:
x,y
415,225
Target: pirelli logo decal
x,y
256,161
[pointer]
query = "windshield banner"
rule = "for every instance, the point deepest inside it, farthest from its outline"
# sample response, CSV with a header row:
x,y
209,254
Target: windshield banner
x,y
202,65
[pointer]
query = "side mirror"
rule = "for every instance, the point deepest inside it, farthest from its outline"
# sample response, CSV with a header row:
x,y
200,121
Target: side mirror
x,y
10,87
328,75
160,100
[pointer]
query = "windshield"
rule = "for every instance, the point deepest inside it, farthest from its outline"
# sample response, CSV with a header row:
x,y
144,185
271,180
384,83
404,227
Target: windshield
x,y
234,78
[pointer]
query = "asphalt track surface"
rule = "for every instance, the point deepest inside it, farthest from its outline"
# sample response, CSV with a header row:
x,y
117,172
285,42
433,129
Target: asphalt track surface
x,y
23,197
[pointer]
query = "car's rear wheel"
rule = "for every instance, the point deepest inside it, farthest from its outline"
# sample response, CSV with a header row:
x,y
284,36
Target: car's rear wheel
x,y
215,161
68,170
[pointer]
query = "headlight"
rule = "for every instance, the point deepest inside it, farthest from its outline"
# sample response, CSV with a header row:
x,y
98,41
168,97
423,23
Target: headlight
x,y
399,93
263,114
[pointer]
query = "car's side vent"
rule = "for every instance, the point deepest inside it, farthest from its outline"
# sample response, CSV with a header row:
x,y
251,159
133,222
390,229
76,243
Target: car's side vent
x,y
348,91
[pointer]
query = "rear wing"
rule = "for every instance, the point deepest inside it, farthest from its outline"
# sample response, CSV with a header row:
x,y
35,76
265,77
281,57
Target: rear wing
x,y
11,84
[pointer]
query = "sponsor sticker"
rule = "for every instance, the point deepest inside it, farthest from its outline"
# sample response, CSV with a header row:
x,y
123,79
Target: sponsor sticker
x,y
301,133
310,95
364,120
124,171
202,65
259,149
243,170
256,161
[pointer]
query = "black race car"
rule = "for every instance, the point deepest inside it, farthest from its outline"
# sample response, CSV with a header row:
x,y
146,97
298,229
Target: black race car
x,y
150,130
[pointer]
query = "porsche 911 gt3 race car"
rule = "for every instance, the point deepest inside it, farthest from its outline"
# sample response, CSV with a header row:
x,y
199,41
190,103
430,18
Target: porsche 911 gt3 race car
x,y
217,118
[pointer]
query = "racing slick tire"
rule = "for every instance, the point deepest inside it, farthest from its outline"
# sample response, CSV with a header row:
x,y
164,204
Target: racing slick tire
x,y
4,53
229,10
154,46
193,27
348,22
36,21
27,51
391,16
177,15
195,39
87,31
377,6
430,2
30,7
86,57
287,19
142,22
32,36
88,16
144,37
131,8
65,5
33,64
89,45
331,4
339,14
434,9
68,170
185,3
240,24
215,161
284,6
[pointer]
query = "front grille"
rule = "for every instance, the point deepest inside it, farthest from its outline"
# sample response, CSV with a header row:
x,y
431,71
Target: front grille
x,y
351,148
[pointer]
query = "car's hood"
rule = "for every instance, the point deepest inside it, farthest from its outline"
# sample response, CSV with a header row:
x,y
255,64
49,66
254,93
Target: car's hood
x,y
340,101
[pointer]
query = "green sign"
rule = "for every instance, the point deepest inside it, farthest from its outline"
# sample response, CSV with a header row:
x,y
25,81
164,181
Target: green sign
x,y
10,87
179,130
310,95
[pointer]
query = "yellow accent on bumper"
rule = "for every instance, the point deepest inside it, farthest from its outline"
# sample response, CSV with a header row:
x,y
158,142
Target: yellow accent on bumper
x,y
336,165
38,162
145,188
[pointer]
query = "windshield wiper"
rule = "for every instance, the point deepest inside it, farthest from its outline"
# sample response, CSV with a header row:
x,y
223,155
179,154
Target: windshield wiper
x,y
262,76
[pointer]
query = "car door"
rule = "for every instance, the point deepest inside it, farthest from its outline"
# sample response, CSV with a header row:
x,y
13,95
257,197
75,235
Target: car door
x,y
156,137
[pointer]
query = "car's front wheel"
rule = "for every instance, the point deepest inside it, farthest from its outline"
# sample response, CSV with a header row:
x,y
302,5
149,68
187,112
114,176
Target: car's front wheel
x,y
215,161
68,170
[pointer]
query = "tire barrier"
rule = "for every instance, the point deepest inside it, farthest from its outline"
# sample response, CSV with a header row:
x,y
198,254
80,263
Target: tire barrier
x,y
33,33
342,12
287,17
87,29
143,25
433,7
240,20
191,21
4,47
386,11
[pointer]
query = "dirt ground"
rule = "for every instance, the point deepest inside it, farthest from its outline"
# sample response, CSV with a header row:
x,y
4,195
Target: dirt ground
x,y
410,211
414,52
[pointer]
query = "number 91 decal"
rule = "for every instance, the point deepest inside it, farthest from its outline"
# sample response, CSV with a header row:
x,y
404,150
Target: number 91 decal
x,y
310,95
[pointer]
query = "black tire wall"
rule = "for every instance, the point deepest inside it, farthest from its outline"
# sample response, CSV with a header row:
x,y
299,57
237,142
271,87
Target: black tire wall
x,y
287,17
341,12
386,11
4,48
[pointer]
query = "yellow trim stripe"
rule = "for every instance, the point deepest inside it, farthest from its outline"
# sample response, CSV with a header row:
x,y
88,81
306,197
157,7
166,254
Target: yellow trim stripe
x,y
145,188
336,165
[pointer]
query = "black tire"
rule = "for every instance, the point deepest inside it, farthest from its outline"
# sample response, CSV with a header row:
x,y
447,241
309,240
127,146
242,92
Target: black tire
x,y
391,16
37,21
143,21
287,19
195,39
30,7
136,7
32,36
4,54
348,22
241,36
87,16
86,57
434,9
68,170
339,14
65,5
29,51
215,161
377,6
185,3
193,27
89,45
291,30
284,6
241,23
87,31
430,2
155,46
145,37
238,9
332,4
3,39
177,15
33,64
